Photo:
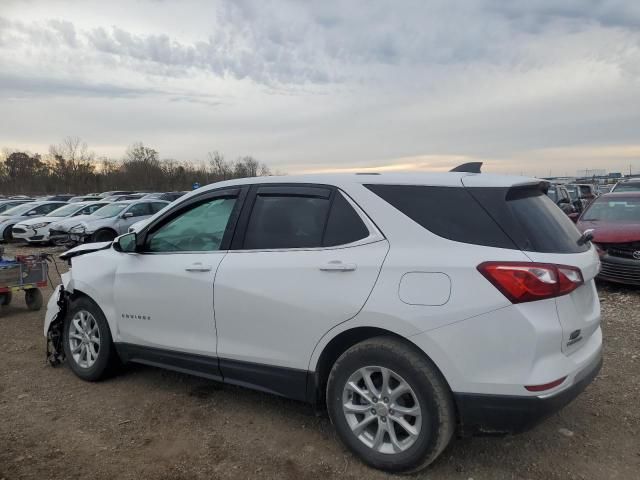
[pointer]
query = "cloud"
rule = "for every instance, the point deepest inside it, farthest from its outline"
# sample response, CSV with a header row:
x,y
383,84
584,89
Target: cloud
x,y
321,85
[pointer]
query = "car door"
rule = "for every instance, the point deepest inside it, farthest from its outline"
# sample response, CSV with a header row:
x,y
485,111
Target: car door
x,y
132,214
163,293
303,260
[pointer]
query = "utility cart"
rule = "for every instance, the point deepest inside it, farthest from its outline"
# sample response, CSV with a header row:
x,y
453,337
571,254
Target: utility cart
x,y
27,273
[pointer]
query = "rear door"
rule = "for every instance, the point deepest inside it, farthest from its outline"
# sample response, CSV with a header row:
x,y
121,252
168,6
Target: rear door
x,y
304,259
545,234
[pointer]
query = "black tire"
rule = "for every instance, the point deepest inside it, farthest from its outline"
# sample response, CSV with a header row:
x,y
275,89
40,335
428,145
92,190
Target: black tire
x,y
33,299
7,235
437,420
107,358
105,235
5,299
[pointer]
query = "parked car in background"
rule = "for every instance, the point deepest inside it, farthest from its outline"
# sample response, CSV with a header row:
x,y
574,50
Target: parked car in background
x,y
587,191
412,307
63,197
560,196
7,204
602,189
129,196
36,229
630,185
578,202
21,212
115,192
85,198
112,220
615,221
167,196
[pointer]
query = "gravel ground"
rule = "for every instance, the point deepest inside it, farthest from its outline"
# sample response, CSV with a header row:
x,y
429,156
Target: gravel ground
x,y
149,423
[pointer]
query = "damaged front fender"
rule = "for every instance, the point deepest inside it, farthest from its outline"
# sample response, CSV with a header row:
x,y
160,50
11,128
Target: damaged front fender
x,y
54,320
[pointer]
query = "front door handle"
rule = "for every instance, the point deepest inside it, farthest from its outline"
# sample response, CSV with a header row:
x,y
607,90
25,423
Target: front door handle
x,y
198,267
338,266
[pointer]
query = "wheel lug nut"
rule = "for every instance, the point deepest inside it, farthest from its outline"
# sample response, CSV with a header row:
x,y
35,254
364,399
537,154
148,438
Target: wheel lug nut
x,y
386,399
390,412
374,399
384,419
373,410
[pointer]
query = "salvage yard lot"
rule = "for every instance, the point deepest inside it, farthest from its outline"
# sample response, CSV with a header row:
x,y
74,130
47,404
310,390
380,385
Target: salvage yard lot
x,y
150,423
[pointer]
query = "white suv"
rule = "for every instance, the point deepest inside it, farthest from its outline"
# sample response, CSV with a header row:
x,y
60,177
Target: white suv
x,y
412,307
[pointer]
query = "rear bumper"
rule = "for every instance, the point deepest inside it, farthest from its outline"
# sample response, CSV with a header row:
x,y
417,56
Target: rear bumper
x,y
483,414
620,270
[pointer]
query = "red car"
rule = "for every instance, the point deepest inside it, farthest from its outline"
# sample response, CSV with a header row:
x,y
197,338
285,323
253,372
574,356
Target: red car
x,y
615,220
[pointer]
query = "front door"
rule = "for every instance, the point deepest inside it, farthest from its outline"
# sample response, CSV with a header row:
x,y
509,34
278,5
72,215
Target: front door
x,y
164,293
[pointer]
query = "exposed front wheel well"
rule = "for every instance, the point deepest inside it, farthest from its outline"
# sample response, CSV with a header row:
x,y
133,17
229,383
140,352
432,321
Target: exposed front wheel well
x,y
335,348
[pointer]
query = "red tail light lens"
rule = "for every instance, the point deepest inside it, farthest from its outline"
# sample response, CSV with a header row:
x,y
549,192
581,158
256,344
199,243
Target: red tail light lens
x,y
528,281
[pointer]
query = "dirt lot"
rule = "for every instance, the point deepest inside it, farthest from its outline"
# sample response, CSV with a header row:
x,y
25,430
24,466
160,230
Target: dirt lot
x,y
149,423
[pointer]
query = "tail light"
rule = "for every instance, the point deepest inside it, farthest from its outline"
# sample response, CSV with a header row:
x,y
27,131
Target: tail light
x,y
528,281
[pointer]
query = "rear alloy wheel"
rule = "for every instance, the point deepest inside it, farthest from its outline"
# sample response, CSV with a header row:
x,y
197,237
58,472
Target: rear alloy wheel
x,y
390,405
381,409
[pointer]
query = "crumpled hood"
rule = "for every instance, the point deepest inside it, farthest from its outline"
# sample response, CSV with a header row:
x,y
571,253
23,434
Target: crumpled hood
x,y
612,232
66,224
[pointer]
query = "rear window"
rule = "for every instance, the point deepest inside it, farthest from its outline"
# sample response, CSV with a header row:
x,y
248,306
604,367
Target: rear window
x,y
516,218
613,210
627,187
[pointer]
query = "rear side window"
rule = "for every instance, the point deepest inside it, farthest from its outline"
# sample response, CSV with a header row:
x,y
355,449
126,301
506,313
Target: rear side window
x,y
300,221
450,212
531,219
344,225
515,218
289,221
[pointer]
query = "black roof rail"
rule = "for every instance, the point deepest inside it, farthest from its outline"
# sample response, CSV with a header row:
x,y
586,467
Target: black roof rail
x,y
471,167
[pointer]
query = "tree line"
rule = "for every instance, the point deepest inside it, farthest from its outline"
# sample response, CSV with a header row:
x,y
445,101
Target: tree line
x,y
71,167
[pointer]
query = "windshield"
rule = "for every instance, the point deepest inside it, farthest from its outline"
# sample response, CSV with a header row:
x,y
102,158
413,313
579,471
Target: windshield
x,y
618,210
110,210
20,209
64,211
627,187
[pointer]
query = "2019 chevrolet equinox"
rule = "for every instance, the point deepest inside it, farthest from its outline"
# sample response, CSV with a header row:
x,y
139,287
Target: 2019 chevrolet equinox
x,y
411,306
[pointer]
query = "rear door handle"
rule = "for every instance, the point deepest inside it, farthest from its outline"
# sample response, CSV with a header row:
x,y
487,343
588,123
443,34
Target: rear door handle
x,y
338,266
198,267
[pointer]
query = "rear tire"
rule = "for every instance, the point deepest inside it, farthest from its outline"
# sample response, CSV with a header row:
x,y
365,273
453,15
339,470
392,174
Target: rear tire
x,y
33,299
5,299
88,345
416,425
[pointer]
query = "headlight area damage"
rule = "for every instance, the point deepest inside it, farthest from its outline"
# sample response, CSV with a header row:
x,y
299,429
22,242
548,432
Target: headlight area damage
x,y
55,349
59,304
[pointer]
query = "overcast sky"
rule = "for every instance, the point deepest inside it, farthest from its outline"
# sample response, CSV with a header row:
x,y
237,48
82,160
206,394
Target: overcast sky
x,y
536,87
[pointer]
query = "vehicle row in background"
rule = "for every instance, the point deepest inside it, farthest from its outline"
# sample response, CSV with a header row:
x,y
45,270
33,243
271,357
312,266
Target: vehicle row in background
x,y
614,222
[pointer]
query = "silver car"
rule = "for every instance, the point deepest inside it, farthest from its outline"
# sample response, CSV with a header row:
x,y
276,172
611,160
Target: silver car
x,y
106,223
28,210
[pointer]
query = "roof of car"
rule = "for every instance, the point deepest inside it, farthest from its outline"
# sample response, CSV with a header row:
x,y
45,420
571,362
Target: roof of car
x,y
620,195
452,179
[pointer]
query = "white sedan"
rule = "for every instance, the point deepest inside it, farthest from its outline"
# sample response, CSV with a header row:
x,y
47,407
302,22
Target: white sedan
x,y
36,230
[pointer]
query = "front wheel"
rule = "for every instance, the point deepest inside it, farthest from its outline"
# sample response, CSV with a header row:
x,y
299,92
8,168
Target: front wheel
x,y
88,345
390,405
7,235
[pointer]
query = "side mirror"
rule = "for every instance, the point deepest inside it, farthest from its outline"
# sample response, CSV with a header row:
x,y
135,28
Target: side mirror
x,y
125,243
574,216
127,215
